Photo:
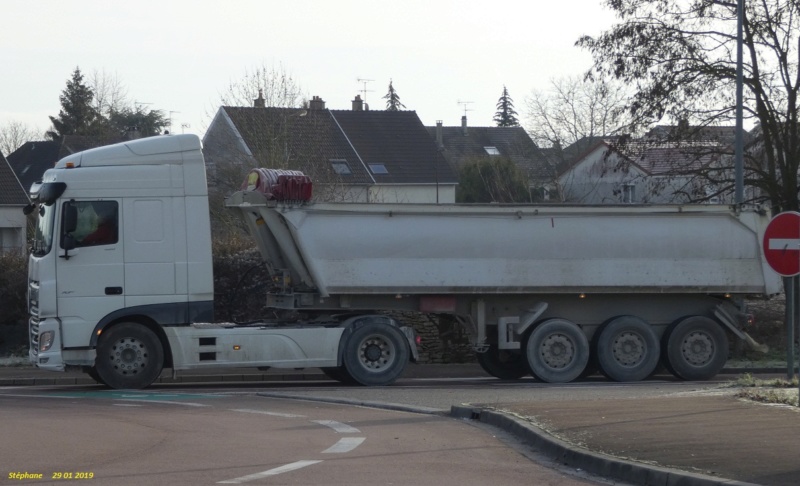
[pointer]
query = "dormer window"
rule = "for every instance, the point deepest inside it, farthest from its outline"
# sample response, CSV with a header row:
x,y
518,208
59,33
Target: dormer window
x,y
491,150
341,167
378,169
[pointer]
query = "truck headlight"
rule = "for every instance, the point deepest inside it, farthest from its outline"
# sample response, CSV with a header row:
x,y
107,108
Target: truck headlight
x,y
46,340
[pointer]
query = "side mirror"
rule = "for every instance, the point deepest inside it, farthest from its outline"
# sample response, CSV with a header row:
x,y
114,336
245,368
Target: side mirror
x,y
28,209
70,219
68,242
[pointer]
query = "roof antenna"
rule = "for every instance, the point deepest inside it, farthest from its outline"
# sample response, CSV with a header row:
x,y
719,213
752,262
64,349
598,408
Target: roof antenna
x,y
365,90
465,103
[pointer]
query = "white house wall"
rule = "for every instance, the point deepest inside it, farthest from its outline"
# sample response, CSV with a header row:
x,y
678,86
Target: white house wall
x,y
12,229
600,178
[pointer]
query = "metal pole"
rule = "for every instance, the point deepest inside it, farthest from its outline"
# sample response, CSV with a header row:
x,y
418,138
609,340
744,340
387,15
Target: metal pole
x,y
739,142
788,286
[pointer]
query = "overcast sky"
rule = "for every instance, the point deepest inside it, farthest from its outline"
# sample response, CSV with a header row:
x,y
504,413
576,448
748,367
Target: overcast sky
x,y
181,55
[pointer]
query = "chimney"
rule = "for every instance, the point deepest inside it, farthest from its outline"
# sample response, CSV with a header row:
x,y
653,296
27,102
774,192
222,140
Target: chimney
x,y
316,103
259,102
464,125
358,104
439,142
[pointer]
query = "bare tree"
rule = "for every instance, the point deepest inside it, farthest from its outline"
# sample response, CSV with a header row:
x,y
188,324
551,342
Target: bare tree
x,y
679,57
575,109
110,94
568,119
14,134
275,85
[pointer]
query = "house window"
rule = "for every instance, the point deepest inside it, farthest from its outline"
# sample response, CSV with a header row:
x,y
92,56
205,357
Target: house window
x,y
491,150
341,167
378,169
628,193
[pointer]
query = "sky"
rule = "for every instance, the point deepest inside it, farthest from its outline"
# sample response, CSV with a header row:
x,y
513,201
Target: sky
x,y
180,56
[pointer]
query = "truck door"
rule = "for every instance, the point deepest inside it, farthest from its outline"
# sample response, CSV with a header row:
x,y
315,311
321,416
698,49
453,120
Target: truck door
x,y
90,273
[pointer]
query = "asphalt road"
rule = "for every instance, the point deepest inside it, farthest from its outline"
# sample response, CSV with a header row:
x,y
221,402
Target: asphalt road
x,y
235,435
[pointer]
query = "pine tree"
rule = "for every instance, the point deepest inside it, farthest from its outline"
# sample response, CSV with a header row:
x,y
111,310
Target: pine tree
x,y
392,100
506,116
77,115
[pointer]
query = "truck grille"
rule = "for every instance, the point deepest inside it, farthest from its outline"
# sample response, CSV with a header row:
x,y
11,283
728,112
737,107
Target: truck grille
x,y
33,327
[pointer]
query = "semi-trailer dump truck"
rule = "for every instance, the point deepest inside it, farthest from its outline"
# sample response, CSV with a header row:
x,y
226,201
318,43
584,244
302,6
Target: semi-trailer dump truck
x,y
121,285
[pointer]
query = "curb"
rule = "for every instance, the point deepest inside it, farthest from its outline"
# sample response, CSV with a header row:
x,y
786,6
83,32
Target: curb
x,y
166,380
602,465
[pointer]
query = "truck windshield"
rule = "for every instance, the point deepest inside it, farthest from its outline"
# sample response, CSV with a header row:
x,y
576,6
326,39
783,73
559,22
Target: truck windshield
x,y
43,236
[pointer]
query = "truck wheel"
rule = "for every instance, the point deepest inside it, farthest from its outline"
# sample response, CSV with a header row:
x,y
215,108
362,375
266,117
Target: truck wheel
x,y
375,354
92,372
339,374
696,348
129,356
503,364
557,351
627,349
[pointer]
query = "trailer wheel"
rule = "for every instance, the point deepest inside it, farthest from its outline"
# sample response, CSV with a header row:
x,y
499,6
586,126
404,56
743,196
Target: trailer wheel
x,y
627,349
557,351
129,355
375,354
503,364
696,348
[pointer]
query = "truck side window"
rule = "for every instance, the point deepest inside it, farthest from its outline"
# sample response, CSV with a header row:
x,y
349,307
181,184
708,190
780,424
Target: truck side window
x,y
97,223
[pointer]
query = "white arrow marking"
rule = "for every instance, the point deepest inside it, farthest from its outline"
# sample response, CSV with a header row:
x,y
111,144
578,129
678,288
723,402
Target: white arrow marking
x,y
784,244
272,472
264,412
338,426
345,444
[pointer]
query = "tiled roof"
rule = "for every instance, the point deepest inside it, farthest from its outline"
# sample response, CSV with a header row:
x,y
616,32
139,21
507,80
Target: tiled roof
x,y
674,160
308,139
11,192
398,141
511,142
31,160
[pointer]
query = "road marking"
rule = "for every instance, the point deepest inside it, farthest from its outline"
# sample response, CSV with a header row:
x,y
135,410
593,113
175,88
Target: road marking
x,y
784,244
264,412
345,444
167,402
126,405
272,472
338,426
33,396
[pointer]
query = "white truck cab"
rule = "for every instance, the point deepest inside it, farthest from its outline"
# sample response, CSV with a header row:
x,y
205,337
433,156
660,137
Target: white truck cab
x,y
122,230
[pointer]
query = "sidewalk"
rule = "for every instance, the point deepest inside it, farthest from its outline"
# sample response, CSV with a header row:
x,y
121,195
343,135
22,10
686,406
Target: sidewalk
x,y
696,439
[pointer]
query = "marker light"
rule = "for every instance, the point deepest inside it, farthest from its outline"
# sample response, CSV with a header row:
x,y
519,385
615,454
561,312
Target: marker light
x,y
236,347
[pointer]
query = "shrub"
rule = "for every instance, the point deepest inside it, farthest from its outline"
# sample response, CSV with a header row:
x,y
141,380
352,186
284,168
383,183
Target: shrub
x,y
13,288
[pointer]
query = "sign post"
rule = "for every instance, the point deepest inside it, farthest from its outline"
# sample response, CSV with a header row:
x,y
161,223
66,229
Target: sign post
x,y
781,248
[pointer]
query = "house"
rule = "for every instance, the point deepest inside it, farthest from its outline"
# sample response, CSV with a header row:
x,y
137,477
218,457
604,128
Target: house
x,y
13,198
352,155
668,165
31,160
463,144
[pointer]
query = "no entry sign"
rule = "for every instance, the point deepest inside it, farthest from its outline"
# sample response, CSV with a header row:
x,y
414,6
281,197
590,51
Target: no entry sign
x,y
782,243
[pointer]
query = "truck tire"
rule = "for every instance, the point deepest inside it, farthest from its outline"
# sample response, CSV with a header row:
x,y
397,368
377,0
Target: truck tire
x,y
557,351
129,356
375,354
696,348
503,364
627,349
339,374
92,372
